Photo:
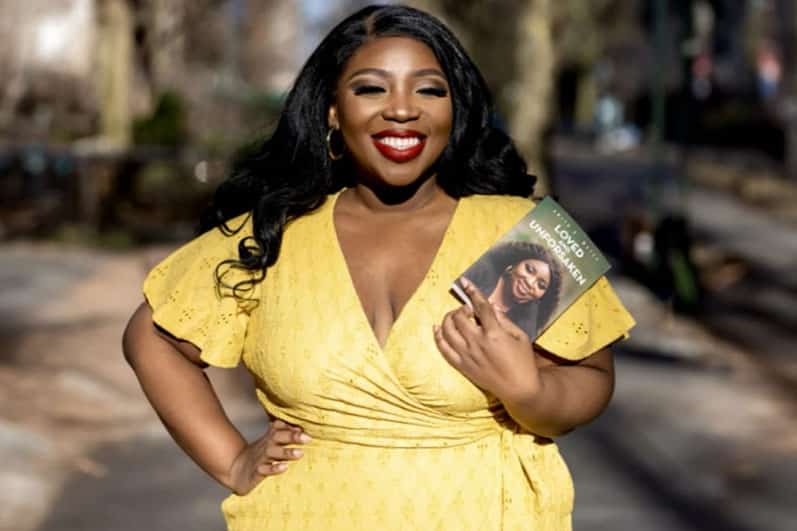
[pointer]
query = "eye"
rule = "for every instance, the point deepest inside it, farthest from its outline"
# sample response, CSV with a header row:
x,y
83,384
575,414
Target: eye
x,y
542,286
367,89
530,268
438,92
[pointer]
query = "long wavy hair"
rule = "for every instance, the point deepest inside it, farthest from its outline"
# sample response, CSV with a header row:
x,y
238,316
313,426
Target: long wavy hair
x,y
497,263
290,174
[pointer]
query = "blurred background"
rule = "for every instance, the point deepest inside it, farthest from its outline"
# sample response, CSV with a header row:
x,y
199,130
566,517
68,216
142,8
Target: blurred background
x,y
667,128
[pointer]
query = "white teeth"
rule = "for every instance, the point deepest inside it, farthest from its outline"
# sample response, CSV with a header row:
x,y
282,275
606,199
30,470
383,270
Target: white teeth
x,y
400,142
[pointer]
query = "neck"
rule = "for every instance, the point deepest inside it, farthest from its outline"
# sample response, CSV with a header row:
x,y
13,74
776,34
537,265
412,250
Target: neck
x,y
400,200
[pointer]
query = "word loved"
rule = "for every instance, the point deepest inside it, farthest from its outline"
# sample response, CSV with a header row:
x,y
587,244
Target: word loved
x,y
562,247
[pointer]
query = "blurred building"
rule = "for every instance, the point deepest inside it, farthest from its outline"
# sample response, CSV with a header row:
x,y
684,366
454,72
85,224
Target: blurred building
x,y
78,68
47,63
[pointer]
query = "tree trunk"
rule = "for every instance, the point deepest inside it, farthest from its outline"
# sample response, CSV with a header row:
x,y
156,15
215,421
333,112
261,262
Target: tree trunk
x,y
114,70
523,84
531,92
787,17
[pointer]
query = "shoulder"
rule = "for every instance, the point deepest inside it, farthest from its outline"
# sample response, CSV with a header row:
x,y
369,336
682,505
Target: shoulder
x,y
508,204
200,256
498,211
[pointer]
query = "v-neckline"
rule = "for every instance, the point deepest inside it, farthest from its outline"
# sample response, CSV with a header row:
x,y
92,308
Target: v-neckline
x,y
340,259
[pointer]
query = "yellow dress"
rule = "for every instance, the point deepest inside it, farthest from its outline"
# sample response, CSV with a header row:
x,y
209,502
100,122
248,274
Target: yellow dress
x,y
401,440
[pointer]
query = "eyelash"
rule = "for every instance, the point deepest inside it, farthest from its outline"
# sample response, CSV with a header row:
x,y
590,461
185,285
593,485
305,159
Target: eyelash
x,y
367,89
374,89
434,91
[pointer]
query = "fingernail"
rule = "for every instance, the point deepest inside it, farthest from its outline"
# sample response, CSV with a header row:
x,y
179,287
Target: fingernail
x,y
436,329
465,282
281,467
304,438
296,452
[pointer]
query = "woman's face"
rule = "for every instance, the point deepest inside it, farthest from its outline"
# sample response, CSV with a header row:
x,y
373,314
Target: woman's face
x,y
393,107
529,280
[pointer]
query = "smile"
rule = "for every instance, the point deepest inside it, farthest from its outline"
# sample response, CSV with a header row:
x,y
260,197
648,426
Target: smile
x,y
523,290
399,145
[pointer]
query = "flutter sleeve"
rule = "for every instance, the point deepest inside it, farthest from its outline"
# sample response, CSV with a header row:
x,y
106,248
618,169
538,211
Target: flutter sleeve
x,y
189,303
594,321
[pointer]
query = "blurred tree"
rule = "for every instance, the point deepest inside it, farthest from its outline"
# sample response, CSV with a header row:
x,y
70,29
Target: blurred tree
x,y
46,63
270,45
166,126
530,94
115,69
602,44
229,61
787,36
522,57
517,59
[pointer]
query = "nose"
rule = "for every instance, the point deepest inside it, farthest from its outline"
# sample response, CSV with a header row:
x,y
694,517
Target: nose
x,y
400,108
531,282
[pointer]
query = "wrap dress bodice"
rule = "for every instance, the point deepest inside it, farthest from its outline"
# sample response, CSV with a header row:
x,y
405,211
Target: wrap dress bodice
x,y
401,440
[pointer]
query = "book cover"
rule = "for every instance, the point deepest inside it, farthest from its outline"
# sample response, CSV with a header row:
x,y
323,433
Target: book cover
x,y
537,269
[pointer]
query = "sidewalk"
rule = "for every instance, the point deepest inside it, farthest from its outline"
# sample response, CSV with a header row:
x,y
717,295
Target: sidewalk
x,y
698,428
702,411
65,389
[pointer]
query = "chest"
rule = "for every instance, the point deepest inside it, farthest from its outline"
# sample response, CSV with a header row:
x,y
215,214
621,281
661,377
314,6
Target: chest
x,y
387,260
309,339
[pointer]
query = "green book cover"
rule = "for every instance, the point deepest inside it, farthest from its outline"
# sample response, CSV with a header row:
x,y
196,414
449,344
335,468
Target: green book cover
x,y
538,268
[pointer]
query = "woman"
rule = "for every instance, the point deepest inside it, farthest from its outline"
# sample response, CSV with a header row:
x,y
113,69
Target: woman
x,y
523,281
392,406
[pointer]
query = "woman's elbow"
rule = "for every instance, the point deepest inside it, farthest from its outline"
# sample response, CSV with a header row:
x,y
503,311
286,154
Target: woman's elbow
x,y
134,336
143,339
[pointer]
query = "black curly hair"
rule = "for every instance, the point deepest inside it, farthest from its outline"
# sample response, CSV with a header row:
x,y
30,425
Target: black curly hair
x,y
290,173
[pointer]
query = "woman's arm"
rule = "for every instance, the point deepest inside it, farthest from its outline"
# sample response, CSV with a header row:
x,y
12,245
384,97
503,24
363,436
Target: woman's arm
x,y
172,376
174,381
565,395
545,395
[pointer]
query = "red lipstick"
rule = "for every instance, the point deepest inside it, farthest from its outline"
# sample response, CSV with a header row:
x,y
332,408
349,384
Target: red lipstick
x,y
399,145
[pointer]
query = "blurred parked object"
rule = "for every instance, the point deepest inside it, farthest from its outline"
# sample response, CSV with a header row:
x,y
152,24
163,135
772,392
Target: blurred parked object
x,y
769,71
34,187
612,132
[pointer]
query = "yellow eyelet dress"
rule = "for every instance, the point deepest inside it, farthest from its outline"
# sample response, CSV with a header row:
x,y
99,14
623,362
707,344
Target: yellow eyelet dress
x,y
401,440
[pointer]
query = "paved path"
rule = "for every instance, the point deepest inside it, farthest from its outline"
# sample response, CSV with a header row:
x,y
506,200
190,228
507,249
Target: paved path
x,y
698,450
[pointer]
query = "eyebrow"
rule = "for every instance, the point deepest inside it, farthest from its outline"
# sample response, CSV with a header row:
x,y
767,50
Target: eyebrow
x,y
384,73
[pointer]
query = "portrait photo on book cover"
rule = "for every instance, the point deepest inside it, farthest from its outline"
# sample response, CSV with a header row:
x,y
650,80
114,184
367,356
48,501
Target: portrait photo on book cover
x,y
521,279
537,269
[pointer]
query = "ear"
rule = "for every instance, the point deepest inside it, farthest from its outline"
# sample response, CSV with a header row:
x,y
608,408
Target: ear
x,y
332,117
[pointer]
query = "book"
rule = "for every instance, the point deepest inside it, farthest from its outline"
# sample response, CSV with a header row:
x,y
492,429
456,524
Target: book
x,y
537,269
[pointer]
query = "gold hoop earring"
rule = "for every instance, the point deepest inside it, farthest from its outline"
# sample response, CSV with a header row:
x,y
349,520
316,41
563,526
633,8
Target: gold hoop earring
x,y
330,152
